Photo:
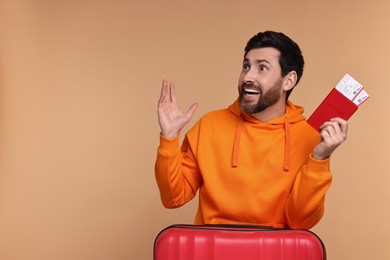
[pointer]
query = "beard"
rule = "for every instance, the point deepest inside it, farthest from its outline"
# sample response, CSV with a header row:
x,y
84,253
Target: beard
x,y
265,100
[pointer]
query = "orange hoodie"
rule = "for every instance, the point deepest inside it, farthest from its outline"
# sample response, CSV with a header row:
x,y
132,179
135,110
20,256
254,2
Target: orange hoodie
x,y
247,171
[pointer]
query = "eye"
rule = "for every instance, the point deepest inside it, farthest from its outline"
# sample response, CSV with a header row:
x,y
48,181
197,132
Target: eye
x,y
245,67
263,68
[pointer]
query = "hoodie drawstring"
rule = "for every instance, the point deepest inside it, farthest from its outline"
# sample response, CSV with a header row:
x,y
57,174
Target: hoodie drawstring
x,y
236,145
286,163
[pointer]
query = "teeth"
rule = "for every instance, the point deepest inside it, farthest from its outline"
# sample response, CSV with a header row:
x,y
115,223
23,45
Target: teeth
x,y
251,91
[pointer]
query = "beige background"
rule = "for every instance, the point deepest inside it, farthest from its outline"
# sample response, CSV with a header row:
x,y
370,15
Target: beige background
x,y
78,125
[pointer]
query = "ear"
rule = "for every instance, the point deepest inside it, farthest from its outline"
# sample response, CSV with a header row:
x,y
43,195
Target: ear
x,y
290,80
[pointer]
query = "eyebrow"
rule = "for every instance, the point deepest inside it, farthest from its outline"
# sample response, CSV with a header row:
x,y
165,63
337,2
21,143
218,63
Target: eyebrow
x,y
258,61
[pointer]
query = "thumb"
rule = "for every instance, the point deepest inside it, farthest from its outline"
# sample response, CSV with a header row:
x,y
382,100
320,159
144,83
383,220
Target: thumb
x,y
192,110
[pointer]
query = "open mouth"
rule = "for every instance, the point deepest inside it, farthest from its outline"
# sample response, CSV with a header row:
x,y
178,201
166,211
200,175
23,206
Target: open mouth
x,y
251,92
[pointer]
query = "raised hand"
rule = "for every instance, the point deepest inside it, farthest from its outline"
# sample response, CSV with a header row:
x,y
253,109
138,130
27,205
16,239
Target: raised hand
x,y
170,118
333,133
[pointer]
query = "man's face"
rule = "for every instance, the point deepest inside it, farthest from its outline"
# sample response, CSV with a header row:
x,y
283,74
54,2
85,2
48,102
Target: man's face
x,y
260,82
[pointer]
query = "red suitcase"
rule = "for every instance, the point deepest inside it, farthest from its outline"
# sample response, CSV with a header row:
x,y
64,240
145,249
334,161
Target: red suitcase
x,y
232,242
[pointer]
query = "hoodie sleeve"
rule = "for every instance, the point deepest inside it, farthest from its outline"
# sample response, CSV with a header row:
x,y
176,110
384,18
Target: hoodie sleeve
x,y
305,205
176,172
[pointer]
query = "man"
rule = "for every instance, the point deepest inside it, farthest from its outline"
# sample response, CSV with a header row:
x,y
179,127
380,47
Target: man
x,y
257,162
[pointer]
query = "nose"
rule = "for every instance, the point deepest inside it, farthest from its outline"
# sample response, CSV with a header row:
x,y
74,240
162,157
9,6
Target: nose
x,y
249,76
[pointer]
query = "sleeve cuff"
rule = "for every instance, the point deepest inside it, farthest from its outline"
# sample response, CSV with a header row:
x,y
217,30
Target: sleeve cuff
x,y
169,147
319,168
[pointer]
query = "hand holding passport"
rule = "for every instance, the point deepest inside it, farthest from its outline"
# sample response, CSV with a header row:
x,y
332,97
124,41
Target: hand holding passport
x,y
342,101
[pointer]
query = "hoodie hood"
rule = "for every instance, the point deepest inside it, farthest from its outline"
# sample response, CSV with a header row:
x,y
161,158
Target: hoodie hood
x,y
292,115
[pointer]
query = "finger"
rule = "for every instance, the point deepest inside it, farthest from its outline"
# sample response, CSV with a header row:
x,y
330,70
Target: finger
x,y
343,125
337,128
334,122
327,132
192,110
324,125
338,120
164,91
333,130
172,92
333,135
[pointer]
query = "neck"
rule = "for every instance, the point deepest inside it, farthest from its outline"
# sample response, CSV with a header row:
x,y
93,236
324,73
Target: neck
x,y
272,112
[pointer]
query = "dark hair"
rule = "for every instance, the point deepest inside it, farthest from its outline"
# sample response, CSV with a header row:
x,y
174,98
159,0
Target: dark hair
x,y
291,58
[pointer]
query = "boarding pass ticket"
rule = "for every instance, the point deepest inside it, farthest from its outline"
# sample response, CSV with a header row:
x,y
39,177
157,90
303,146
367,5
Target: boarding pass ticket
x,y
360,98
352,90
